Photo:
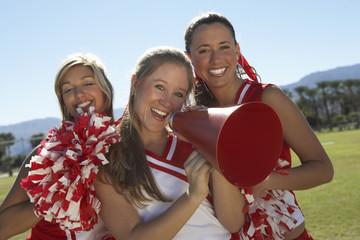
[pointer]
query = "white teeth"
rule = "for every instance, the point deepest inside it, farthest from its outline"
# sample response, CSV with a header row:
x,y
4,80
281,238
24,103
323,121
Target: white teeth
x,y
83,104
159,112
217,71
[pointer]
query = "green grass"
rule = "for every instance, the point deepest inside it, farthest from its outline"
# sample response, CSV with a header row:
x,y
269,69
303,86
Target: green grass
x,y
332,211
5,185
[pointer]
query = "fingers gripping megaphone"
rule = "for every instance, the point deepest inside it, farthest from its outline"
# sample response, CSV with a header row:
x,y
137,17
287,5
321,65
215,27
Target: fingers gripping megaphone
x,y
242,142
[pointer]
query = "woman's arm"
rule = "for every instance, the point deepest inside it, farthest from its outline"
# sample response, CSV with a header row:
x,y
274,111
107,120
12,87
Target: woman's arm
x,y
16,211
228,202
17,219
316,167
123,221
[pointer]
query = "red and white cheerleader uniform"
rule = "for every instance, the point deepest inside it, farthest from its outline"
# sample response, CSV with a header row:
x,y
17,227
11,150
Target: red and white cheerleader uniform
x,y
275,212
168,171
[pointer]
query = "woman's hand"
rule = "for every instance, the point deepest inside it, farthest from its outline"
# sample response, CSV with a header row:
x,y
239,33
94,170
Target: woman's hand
x,y
198,171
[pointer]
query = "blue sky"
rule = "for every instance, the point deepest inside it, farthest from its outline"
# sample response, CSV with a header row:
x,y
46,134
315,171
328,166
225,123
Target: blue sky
x,y
284,40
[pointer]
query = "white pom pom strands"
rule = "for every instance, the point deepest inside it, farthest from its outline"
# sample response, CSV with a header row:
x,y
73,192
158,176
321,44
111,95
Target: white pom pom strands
x,y
272,214
60,183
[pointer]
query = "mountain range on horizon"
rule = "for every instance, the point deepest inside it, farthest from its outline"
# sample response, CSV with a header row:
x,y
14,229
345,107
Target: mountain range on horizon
x,y
339,73
24,130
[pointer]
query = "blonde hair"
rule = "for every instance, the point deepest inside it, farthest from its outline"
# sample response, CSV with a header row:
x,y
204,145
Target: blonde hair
x,y
98,69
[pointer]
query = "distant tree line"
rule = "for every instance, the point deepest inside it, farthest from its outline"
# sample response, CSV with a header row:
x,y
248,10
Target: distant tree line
x,y
9,161
331,104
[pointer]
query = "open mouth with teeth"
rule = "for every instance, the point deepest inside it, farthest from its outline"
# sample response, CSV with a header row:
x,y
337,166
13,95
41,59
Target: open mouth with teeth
x,y
217,71
84,106
159,114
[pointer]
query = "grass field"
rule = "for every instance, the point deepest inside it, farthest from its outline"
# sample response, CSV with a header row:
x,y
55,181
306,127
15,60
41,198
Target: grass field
x,y
332,211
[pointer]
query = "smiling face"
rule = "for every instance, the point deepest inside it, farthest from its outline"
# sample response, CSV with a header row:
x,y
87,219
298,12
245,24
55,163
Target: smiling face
x,y
159,95
214,55
80,90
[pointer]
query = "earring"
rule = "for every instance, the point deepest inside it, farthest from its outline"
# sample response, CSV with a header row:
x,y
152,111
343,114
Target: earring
x,y
208,90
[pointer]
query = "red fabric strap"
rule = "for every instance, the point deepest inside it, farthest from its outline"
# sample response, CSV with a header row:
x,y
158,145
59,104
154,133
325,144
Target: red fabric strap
x,y
247,68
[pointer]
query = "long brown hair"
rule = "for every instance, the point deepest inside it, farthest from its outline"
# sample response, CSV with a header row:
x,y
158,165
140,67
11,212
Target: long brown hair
x,y
128,170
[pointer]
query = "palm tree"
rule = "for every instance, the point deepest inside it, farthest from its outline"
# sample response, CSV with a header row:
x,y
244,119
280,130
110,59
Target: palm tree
x,y
349,95
8,161
36,139
6,140
351,88
336,97
288,93
313,104
301,100
323,86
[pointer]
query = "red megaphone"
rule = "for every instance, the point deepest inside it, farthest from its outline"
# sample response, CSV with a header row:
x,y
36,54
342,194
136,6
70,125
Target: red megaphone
x,y
242,142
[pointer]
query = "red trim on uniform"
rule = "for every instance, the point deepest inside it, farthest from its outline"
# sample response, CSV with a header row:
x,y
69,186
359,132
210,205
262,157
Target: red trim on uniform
x,y
240,91
253,93
168,146
181,153
172,161
166,151
169,171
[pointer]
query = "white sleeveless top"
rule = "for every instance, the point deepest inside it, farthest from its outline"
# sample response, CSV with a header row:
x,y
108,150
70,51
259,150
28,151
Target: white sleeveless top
x,y
171,178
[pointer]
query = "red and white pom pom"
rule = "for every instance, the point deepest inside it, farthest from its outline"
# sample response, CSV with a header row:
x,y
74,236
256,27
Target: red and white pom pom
x,y
271,214
60,183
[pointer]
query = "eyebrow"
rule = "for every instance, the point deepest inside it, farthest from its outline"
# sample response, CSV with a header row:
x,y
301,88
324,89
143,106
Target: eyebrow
x,y
160,80
183,90
207,45
87,76
83,78
64,83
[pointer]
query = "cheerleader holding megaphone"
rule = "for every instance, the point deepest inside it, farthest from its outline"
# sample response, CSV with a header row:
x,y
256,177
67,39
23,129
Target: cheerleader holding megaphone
x,y
272,210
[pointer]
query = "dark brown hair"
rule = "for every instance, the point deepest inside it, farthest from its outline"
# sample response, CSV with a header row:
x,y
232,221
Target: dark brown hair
x,y
206,18
203,94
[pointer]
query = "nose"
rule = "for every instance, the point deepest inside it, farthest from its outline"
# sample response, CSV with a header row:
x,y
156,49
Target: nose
x,y
166,100
79,92
214,56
